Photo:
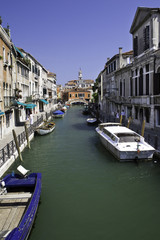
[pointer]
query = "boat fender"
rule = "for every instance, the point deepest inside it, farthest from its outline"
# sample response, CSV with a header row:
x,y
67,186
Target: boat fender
x,y
3,184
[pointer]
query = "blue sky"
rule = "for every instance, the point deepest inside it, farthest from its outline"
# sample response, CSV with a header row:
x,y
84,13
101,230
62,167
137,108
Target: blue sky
x,y
66,35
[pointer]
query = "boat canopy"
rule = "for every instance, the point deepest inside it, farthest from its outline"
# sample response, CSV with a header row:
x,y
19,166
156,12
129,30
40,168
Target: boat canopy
x,y
58,112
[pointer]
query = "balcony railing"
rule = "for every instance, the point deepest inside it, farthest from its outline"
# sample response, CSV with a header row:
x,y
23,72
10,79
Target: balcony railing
x,y
155,99
140,100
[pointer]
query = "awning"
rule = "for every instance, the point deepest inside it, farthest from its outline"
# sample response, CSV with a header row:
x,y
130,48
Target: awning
x,y
21,103
19,52
31,105
1,113
44,101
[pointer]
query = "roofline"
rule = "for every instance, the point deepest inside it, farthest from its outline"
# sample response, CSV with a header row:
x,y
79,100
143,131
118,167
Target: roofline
x,y
33,58
152,10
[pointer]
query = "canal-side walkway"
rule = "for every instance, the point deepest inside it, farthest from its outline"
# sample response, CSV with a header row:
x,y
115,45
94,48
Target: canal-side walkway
x,y
8,150
18,130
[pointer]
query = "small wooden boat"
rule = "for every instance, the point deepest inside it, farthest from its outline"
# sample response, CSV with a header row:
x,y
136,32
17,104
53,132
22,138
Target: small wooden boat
x,y
58,114
46,128
19,199
91,121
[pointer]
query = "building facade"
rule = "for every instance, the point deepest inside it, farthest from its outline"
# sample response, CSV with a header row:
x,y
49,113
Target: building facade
x,y
25,85
134,84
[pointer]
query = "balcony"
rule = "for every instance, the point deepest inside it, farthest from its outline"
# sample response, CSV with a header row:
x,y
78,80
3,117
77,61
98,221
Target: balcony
x,y
140,100
155,99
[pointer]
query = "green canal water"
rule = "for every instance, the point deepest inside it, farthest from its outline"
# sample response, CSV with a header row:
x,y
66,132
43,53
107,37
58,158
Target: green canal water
x,y
86,193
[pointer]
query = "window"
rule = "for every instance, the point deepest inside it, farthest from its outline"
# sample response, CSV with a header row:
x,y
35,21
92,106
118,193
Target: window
x,y
147,84
124,88
114,65
147,67
4,55
18,68
141,82
8,59
146,37
158,116
7,120
135,46
135,86
120,88
131,86
33,68
81,95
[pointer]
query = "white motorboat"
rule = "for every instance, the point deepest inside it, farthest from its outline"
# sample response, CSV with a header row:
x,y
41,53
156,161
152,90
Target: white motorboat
x,y
124,143
91,120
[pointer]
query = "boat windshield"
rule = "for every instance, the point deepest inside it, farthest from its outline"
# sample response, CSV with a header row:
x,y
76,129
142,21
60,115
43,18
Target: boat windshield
x,y
128,137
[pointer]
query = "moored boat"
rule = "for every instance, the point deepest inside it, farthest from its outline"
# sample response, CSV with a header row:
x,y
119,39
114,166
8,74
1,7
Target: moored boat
x,y
46,128
19,199
124,143
64,109
58,114
91,121
85,110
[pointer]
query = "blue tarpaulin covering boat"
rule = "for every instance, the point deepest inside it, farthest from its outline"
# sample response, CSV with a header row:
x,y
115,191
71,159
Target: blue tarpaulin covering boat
x,y
58,113
19,199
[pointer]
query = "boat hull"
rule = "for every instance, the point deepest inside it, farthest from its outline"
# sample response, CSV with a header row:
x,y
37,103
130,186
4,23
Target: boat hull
x,y
91,121
42,131
58,116
24,227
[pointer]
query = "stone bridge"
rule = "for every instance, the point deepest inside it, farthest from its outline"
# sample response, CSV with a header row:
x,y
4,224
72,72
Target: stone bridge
x,y
74,101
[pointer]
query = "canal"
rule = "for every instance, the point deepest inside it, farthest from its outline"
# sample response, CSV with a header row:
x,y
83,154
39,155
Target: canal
x,y
86,193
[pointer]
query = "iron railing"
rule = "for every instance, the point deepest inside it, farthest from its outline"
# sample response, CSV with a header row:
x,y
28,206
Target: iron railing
x,y
10,149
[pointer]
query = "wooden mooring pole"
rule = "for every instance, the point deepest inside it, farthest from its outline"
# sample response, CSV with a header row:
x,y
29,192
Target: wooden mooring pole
x,y
143,126
121,119
17,145
27,137
129,121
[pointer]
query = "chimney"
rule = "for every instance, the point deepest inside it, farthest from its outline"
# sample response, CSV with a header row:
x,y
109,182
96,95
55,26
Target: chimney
x,y
120,57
